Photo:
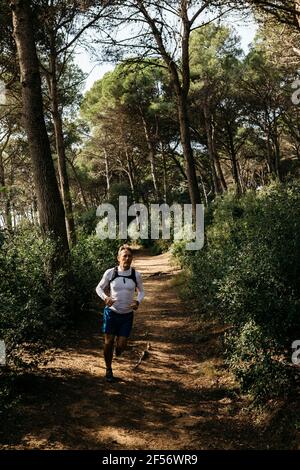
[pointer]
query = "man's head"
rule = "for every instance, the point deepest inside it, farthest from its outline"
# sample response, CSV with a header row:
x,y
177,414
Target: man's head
x,y
125,256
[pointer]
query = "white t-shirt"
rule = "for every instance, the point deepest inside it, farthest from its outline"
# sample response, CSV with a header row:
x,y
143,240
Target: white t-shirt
x,y
121,290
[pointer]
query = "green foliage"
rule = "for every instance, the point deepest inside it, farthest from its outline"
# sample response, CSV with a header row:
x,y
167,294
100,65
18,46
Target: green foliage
x,y
129,111
33,301
253,359
35,305
248,275
90,258
160,246
117,190
214,50
87,221
8,398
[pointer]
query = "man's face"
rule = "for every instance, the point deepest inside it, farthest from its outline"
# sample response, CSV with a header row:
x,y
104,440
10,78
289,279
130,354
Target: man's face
x,y
125,259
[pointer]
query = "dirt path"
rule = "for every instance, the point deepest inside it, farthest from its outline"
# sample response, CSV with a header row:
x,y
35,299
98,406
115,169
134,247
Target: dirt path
x,y
179,397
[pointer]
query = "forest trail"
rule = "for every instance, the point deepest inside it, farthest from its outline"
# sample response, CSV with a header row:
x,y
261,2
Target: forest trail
x,y
179,397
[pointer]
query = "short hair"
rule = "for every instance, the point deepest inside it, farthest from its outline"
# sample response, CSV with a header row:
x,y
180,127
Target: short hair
x,y
125,247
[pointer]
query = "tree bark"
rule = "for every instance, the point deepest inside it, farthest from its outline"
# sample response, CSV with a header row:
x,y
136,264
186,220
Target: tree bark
x,y
204,190
177,163
185,137
277,153
130,174
210,147
151,153
51,211
61,154
5,195
183,115
107,173
181,88
165,182
79,184
234,164
217,159
297,8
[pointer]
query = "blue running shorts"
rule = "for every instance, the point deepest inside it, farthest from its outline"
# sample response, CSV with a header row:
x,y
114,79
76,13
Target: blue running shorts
x,y
117,324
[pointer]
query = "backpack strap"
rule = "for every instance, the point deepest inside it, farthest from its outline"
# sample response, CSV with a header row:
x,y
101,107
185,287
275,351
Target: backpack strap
x,y
133,276
116,274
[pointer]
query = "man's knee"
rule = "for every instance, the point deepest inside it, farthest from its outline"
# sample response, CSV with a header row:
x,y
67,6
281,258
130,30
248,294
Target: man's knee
x,y
109,340
121,343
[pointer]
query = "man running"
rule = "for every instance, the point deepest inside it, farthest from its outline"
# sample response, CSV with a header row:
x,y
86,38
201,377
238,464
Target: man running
x,y
120,304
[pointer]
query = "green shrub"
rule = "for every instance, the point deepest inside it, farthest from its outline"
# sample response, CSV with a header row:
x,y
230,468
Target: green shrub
x,y
249,274
90,258
33,303
160,246
253,359
86,222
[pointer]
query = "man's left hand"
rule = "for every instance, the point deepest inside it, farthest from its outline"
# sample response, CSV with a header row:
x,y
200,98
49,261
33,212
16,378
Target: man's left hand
x,y
135,305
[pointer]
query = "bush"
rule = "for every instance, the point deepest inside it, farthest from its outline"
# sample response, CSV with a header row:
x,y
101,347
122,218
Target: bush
x,y
33,302
86,222
253,359
35,305
248,275
90,258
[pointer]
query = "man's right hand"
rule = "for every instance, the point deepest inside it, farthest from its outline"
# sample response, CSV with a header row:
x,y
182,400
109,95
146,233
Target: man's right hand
x,y
109,301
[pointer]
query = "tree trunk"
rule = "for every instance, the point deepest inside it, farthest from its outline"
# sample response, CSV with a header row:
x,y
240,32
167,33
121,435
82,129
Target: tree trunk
x,y
270,156
181,88
217,159
177,163
183,115
204,190
219,170
185,137
165,183
79,184
5,195
107,173
151,154
241,178
51,211
210,146
60,149
234,164
130,174
277,153
297,8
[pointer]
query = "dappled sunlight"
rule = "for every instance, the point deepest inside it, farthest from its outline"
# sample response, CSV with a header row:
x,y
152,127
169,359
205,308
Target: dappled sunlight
x,y
178,397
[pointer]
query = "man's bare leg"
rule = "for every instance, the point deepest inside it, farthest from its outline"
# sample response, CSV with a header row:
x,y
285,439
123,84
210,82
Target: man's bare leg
x,y
108,350
121,345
